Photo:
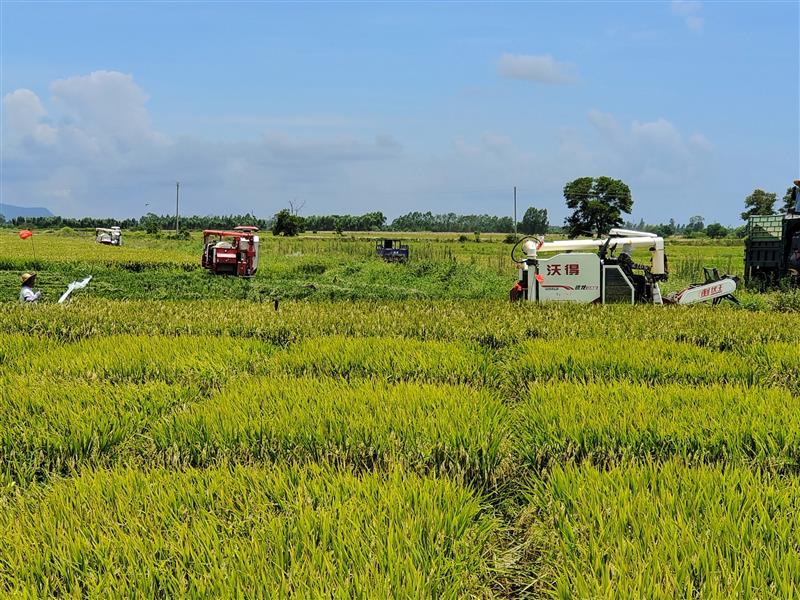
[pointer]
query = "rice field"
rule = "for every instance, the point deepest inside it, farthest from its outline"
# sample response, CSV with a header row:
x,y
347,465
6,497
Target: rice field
x,y
435,447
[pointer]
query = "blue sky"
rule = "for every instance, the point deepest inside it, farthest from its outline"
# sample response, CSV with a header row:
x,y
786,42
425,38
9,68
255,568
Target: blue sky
x,y
350,107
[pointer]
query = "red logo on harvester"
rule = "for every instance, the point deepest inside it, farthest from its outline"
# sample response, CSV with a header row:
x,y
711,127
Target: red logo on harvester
x,y
716,289
569,269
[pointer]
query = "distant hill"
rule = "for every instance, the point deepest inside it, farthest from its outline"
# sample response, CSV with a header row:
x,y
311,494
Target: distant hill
x,y
9,211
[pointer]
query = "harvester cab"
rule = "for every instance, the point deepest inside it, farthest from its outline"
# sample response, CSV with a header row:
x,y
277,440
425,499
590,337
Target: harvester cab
x,y
231,252
392,250
109,236
599,277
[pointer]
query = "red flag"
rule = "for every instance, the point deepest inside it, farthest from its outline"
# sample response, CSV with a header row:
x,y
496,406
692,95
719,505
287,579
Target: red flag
x,y
25,234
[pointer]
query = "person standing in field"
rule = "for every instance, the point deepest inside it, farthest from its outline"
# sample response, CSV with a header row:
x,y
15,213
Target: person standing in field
x,y
26,294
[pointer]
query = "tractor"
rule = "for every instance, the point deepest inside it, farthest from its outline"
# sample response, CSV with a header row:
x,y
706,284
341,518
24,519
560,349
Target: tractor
x,y
231,252
772,247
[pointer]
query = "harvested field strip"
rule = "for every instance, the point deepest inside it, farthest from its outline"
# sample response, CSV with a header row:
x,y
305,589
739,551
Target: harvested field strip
x,y
663,531
307,532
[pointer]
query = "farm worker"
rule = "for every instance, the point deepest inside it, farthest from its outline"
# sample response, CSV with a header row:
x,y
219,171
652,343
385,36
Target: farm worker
x,y
26,294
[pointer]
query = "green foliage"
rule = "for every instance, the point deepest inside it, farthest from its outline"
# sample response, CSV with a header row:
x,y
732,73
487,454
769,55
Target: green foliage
x,y
534,221
597,205
308,532
791,200
696,224
374,221
417,221
664,531
759,203
151,223
287,224
716,230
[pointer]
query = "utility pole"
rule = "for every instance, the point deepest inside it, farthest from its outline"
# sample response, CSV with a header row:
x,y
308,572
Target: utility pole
x,y
177,194
515,212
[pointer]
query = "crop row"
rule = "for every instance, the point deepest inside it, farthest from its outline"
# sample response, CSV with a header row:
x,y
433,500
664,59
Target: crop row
x,y
663,531
56,427
494,323
655,531
210,361
245,532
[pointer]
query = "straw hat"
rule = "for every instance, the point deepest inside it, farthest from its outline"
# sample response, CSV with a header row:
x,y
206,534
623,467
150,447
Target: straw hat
x,y
26,277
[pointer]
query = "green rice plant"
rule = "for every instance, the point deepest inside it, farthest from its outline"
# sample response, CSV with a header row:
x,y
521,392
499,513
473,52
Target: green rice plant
x,y
719,328
393,359
613,422
663,531
443,429
16,347
49,426
205,360
247,533
648,362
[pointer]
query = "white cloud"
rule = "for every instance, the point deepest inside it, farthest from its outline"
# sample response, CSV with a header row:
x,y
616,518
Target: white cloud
x,y
23,114
688,10
96,152
540,68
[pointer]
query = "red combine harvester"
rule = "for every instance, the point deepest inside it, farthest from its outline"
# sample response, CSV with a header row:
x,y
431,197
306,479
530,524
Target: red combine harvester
x,y
231,252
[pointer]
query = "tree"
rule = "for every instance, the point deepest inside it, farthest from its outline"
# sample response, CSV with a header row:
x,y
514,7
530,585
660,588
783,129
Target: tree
x,y
759,203
287,224
151,223
534,221
716,230
789,199
598,205
696,223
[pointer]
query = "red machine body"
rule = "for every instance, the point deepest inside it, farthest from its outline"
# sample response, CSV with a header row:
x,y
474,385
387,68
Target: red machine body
x,y
231,252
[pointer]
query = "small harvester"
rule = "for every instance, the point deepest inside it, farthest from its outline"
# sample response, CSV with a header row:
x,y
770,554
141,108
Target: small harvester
x,y
392,250
600,277
231,252
109,236
772,247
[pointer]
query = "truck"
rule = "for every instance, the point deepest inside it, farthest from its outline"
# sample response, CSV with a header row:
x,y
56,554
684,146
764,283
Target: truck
x,y
772,246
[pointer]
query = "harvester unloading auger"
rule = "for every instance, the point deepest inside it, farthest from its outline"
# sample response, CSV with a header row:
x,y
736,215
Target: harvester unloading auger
x,y
600,277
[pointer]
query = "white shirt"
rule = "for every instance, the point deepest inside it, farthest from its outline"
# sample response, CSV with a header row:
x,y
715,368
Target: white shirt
x,y
26,294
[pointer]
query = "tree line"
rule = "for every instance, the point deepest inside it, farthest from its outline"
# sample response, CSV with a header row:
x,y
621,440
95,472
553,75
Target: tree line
x,y
597,205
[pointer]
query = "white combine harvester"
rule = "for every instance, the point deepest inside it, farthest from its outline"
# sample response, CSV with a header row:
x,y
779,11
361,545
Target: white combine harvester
x,y
109,236
600,277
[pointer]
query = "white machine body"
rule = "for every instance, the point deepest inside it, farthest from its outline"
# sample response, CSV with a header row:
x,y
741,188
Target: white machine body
x,y
597,277
109,236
